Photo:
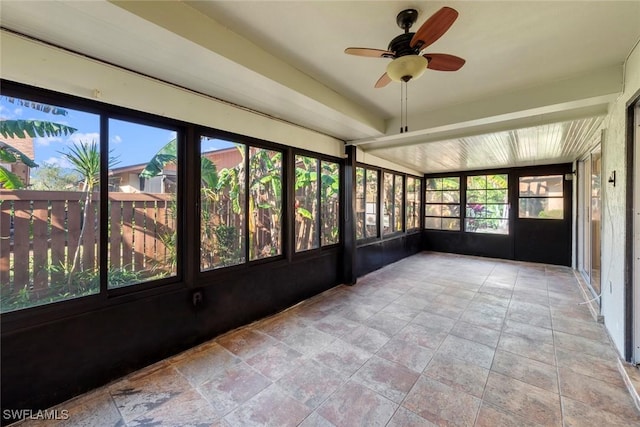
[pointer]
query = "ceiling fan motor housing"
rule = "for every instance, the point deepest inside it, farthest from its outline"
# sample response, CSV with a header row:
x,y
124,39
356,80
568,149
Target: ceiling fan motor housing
x,y
401,45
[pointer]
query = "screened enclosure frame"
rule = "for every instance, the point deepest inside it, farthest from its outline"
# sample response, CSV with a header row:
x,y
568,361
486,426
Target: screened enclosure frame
x,y
319,160
463,176
380,172
187,201
106,113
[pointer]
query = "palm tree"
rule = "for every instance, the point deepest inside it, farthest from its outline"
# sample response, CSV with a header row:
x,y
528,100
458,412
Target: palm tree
x,y
85,159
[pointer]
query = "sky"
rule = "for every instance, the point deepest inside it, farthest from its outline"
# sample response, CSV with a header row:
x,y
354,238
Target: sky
x,y
130,143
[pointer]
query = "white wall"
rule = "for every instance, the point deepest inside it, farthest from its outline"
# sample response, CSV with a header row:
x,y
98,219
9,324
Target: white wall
x,y
33,63
614,204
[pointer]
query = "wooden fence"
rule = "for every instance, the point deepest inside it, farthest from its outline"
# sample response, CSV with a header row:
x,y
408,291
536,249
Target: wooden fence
x,y
40,232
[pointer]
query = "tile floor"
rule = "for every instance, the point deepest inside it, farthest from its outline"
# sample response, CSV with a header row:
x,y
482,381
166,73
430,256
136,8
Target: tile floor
x,y
434,339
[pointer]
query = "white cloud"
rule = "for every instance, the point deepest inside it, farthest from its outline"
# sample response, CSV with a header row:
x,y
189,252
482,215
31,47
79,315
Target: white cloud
x,y
172,135
59,161
7,113
47,140
84,138
117,139
17,112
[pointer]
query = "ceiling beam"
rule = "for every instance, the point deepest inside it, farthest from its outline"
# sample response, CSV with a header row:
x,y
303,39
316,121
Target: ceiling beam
x,y
586,95
190,24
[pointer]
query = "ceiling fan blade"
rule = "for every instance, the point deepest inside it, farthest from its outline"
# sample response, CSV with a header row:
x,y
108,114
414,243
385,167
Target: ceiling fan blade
x,y
434,27
373,53
383,81
443,62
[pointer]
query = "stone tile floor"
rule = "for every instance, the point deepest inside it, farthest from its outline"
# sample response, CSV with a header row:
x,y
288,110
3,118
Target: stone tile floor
x,y
434,339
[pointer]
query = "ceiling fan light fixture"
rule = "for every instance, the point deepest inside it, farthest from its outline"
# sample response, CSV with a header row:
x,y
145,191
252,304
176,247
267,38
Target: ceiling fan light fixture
x,y
407,67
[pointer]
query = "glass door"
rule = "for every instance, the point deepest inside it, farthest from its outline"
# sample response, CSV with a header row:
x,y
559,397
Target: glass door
x,y
590,224
584,245
596,220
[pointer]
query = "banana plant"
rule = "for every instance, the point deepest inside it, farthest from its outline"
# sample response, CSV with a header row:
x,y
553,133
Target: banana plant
x,y
18,129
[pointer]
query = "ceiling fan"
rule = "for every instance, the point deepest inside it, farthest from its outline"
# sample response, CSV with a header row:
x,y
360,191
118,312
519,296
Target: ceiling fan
x,y
406,49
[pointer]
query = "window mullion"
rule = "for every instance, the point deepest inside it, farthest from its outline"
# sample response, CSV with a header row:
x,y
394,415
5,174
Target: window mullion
x,y
319,190
103,242
247,192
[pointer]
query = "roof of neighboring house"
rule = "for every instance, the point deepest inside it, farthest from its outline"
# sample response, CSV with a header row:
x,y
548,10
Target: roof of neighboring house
x,y
227,157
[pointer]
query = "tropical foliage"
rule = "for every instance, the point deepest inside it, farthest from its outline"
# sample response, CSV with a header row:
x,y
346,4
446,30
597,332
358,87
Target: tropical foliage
x,y
10,129
487,208
85,158
366,203
442,203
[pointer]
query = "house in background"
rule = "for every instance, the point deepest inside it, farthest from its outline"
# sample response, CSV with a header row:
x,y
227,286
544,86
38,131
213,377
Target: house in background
x,y
25,146
127,179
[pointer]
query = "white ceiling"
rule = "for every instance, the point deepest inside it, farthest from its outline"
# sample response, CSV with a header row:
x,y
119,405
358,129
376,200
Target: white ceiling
x,y
530,65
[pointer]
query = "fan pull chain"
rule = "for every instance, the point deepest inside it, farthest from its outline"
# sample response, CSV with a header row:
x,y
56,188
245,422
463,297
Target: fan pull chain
x,y
406,108
401,107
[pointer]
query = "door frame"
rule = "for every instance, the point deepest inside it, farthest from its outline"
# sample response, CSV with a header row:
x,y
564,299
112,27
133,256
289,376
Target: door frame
x,y
632,263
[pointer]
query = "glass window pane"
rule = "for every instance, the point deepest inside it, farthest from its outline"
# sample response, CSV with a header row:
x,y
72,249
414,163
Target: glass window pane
x,y
417,204
387,203
413,203
476,210
434,184
451,183
330,203
497,196
360,204
497,181
49,205
433,210
433,223
532,186
451,211
306,203
476,182
491,226
222,203
497,211
476,196
473,224
371,209
541,207
450,224
451,196
265,203
433,196
142,203
398,203
410,185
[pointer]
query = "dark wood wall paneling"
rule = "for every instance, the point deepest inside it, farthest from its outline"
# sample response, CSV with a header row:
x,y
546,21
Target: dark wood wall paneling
x,y
375,255
53,352
48,363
